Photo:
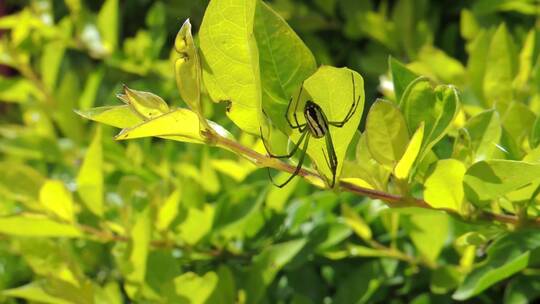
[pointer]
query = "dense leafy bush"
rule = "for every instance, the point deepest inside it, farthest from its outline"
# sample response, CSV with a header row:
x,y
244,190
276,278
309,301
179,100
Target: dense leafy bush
x,y
438,167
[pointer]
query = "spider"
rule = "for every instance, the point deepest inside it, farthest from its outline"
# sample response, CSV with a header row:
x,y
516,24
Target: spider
x,y
316,125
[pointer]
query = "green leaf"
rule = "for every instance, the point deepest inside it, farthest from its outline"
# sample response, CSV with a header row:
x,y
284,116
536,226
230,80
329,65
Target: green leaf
x,y
34,291
405,164
195,288
20,182
277,197
90,176
225,291
180,124
331,88
188,68
484,131
501,66
428,233
360,285
401,77
355,222
439,65
534,137
444,279
197,224
140,235
17,89
517,120
51,59
436,108
477,64
168,210
230,60
505,257
487,180
266,265
107,23
116,116
146,104
522,290
444,187
36,226
284,60
91,88
55,197
387,134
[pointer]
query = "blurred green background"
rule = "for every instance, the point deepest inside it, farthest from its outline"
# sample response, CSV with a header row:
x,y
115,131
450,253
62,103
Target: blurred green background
x,y
188,223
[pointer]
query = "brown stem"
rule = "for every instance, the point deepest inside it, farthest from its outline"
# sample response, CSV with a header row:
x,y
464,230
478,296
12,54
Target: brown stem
x,y
393,200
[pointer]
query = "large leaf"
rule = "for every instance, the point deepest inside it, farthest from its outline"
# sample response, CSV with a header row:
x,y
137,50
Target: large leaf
x,y
332,89
284,60
487,180
506,256
231,61
90,177
387,134
444,187
116,116
428,232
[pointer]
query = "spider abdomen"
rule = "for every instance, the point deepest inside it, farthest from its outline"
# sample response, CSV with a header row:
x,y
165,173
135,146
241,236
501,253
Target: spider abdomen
x,y
315,119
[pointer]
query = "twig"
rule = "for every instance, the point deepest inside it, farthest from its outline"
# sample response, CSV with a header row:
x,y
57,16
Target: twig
x,y
392,200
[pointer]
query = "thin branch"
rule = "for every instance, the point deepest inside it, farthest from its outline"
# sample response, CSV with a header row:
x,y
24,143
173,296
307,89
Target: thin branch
x,y
392,200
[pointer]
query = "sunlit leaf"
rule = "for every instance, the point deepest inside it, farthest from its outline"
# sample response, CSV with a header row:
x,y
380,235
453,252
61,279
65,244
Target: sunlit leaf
x,y
57,199
107,23
230,60
428,233
194,288
197,224
405,164
487,180
90,176
444,186
188,68
484,131
357,224
387,134
146,104
168,210
332,89
140,235
116,116
36,226
284,60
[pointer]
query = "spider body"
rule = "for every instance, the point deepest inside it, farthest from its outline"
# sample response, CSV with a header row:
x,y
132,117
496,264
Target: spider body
x,y
316,125
315,119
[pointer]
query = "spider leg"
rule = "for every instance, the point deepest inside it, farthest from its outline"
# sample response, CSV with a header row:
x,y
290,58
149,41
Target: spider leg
x,y
298,125
331,159
352,110
298,167
293,151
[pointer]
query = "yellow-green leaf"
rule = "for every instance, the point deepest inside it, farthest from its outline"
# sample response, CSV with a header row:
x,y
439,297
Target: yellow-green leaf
x,y
168,211
194,288
188,68
146,104
57,199
116,116
90,177
332,89
444,187
357,224
230,60
197,224
36,226
404,166
180,124
386,133
140,242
